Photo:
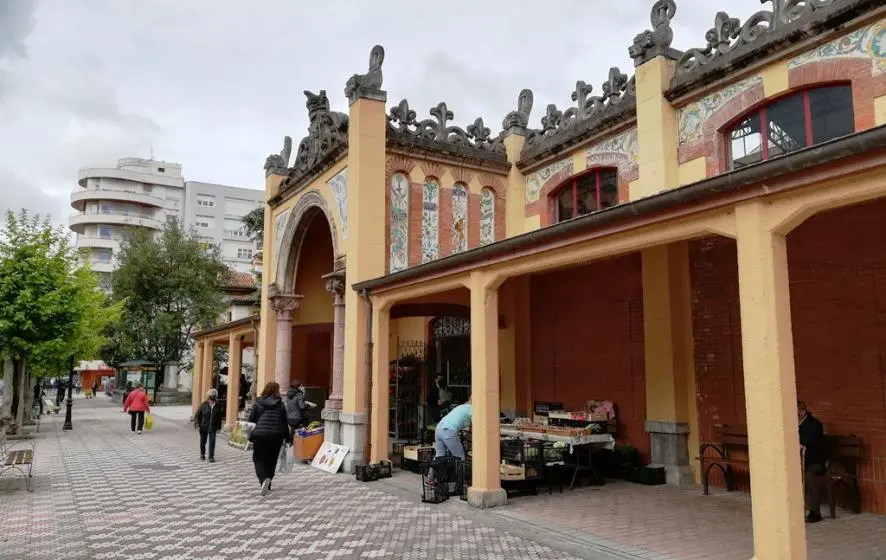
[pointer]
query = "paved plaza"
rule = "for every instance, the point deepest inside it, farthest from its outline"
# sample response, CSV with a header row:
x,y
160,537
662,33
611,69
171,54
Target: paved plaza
x,y
102,493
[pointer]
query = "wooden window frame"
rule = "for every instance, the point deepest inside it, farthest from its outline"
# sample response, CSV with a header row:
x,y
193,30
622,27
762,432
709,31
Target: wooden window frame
x,y
572,183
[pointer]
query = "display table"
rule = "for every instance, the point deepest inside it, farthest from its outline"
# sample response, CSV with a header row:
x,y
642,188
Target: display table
x,y
578,445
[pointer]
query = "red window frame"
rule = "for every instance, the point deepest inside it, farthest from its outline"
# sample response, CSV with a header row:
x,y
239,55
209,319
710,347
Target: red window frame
x,y
573,184
764,122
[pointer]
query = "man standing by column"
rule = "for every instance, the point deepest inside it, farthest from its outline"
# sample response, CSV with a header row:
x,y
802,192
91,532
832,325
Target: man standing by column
x,y
812,447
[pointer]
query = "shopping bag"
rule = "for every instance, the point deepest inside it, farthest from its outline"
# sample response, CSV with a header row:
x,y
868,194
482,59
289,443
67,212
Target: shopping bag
x,y
285,460
149,422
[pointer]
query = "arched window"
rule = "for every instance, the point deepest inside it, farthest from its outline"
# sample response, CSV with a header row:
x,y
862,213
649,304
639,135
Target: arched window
x,y
487,216
587,193
790,123
459,218
399,222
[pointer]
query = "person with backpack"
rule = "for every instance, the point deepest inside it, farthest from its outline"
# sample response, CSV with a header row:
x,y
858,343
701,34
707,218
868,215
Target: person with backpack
x,y
297,406
209,420
271,431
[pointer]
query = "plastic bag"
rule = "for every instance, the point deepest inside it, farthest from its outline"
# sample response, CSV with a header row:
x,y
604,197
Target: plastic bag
x,y
149,421
285,460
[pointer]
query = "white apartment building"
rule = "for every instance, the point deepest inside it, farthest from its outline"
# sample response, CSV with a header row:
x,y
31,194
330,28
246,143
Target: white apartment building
x,y
146,193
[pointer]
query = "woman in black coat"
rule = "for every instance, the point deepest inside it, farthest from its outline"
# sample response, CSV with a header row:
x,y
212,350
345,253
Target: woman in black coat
x,y
271,431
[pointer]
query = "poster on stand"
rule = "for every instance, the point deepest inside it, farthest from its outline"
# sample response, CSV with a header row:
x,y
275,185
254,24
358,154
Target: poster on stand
x,y
240,435
330,456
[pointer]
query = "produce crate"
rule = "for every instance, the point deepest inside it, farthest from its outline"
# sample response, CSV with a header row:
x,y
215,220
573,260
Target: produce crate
x,y
438,479
649,475
304,448
415,455
366,473
553,454
519,451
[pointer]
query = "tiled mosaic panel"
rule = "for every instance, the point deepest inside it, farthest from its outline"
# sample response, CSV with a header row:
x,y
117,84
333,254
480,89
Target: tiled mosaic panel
x,y
459,218
430,220
866,43
399,222
692,117
536,181
487,217
102,493
339,186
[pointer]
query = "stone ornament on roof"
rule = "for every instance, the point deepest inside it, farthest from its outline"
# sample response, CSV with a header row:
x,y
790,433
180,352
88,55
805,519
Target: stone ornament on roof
x,y
280,162
368,84
518,121
657,41
327,139
403,122
618,92
729,34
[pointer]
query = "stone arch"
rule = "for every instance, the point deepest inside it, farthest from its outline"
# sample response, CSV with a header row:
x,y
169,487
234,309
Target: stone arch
x,y
310,207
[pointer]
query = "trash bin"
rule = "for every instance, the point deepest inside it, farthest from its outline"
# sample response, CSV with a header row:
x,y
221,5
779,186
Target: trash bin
x,y
306,444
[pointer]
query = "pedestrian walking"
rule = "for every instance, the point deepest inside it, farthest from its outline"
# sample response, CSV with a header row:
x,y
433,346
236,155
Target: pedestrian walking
x,y
271,431
209,421
297,407
95,388
38,396
137,405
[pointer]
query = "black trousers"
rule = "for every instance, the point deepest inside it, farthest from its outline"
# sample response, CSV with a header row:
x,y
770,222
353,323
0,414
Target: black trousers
x,y
210,437
137,420
265,452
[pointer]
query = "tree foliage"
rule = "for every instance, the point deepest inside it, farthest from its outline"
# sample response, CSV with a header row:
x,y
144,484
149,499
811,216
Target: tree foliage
x,y
169,286
254,223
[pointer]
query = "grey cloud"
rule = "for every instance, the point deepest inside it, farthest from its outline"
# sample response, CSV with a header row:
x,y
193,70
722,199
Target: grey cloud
x,y
16,23
20,193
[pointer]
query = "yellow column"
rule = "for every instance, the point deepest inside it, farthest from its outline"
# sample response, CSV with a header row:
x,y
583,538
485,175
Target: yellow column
x,y
486,490
365,247
670,370
656,130
516,196
381,323
770,387
267,331
197,377
235,356
208,362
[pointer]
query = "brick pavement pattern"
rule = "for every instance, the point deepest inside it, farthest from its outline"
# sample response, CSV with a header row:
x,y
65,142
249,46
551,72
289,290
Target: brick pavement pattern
x,y
102,492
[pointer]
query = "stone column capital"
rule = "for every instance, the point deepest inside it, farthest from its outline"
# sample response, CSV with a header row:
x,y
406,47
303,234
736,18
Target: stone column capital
x,y
336,285
285,305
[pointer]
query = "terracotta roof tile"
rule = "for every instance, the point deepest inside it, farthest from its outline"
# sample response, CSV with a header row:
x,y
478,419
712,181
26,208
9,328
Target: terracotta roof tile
x,y
240,280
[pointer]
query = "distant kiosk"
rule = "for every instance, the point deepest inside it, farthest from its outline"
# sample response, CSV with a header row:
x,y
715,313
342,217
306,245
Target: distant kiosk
x,y
138,371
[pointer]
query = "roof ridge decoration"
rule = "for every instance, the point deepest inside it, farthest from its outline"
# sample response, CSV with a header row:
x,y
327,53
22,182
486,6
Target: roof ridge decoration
x,y
368,84
729,34
618,94
403,123
327,139
657,41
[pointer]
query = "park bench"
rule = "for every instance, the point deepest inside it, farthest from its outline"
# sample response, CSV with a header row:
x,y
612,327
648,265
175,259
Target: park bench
x,y
728,441
16,455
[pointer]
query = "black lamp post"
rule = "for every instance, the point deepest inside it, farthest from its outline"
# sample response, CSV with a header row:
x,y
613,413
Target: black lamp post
x,y
68,425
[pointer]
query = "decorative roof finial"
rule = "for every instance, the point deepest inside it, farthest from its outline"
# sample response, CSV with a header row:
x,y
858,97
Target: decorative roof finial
x,y
368,84
519,119
280,161
657,42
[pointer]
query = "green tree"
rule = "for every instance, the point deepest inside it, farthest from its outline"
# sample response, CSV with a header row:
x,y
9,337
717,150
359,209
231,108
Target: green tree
x,y
254,223
50,310
169,286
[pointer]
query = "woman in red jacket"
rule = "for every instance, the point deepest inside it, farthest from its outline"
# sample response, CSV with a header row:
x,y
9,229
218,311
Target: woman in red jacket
x,y
137,404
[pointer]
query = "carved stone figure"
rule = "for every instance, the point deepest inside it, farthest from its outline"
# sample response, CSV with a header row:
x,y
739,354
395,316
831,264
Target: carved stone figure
x,y
327,137
369,82
281,160
656,42
520,117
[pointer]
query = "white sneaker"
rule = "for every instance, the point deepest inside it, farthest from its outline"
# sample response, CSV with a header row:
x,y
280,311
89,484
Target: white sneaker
x,y
265,486
139,432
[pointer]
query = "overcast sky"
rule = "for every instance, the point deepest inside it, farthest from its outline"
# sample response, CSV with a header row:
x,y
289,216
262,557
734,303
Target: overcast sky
x,y
216,85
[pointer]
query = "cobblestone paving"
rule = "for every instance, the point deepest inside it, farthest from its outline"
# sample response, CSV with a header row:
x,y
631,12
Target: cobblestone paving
x,y
104,493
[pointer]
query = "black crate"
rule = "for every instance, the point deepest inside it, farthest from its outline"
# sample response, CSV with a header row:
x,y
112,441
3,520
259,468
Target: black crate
x,y
464,478
366,473
438,479
425,455
522,452
650,476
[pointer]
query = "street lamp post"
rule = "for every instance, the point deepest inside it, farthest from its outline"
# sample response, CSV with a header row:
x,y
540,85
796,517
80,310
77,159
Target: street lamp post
x,y
68,424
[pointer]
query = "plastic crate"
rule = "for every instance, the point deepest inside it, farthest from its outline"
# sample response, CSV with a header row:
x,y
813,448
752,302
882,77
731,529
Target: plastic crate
x,y
464,479
434,482
553,454
519,451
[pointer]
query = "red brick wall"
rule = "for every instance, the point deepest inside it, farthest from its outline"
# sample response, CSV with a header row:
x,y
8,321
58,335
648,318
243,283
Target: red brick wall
x,y
838,303
587,341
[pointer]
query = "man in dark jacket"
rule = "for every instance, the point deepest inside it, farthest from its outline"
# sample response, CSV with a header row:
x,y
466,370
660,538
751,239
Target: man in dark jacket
x,y
297,406
209,420
814,457
271,430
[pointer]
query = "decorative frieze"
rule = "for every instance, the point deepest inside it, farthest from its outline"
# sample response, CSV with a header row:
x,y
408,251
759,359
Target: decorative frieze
x,y
459,218
623,145
399,223
403,125
430,220
487,216
692,117
339,187
866,43
537,180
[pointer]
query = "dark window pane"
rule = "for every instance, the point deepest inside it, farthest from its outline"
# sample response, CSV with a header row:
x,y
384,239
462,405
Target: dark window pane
x,y
564,205
587,193
787,125
608,188
832,114
745,142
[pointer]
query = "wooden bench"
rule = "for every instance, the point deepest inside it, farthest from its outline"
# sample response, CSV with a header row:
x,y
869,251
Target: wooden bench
x,y
16,455
843,455
728,439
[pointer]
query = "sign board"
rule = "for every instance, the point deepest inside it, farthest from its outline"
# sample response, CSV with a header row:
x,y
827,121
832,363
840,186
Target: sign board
x,y
133,377
240,435
330,456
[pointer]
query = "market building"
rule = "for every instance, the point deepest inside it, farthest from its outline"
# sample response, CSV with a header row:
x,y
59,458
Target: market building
x,y
698,242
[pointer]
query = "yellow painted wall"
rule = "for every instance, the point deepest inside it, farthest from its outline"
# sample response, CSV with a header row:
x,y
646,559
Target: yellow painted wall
x,y
315,261
692,171
656,130
507,363
775,78
407,328
880,110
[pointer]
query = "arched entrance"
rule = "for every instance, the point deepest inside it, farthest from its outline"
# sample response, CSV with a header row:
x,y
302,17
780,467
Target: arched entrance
x,y
308,303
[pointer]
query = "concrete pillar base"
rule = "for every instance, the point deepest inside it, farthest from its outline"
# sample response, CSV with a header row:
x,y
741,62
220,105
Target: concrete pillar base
x,y
480,498
331,426
352,437
670,448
